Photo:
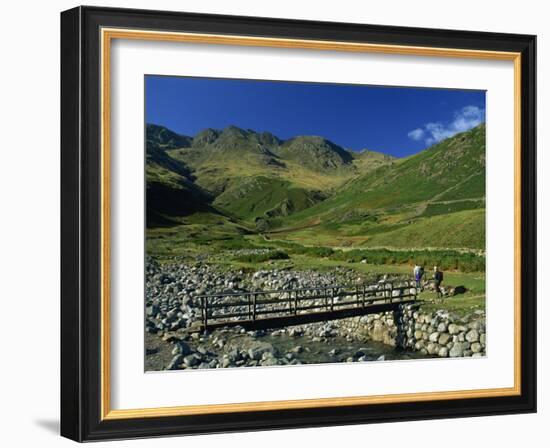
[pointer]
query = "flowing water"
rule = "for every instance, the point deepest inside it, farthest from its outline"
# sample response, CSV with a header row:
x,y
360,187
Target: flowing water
x,y
335,349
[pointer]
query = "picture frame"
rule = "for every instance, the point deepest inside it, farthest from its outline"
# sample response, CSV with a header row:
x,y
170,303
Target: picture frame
x,y
86,37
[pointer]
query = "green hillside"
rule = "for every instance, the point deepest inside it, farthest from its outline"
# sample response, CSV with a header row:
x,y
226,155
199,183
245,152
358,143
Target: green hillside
x,y
463,229
171,191
310,191
255,176
366,160
256,197
220,159
317,154
165,138
438,173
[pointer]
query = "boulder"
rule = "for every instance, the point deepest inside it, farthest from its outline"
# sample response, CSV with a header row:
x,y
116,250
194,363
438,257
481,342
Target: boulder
x,y
175,362
378,331
270,362
259,348
456,350
226,362
434,336
181,348
192,360
475,325
459,290
453,329
432,348
444,338
472,336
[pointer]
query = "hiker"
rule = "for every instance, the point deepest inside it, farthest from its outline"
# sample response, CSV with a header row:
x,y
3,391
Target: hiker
x,y
438,278
383,285
418,274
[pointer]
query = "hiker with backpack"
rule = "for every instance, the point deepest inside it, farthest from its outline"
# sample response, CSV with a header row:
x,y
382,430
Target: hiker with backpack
x,y
438,279
418,274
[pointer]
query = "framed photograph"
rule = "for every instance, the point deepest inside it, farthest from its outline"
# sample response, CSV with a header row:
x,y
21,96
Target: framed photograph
x,y
276,224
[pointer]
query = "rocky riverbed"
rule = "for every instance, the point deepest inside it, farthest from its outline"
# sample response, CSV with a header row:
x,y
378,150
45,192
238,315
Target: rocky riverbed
x,y
234,348
171,288
171,311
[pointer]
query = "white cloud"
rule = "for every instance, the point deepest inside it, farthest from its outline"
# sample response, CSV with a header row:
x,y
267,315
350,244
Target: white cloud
x,y
416,134
464,119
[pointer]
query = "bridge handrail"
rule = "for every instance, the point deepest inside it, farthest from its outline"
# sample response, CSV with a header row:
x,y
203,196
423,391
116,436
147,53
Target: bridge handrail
x,y
365,295
395,285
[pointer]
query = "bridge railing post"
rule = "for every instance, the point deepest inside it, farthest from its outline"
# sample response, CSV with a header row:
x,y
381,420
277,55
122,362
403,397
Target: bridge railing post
x,y
254,307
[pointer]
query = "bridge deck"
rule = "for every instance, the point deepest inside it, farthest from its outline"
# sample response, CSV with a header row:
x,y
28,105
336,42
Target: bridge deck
x,y
281,308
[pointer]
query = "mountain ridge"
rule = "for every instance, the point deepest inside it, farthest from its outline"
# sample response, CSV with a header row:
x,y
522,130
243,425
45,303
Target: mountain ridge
x,y
210,135
295,173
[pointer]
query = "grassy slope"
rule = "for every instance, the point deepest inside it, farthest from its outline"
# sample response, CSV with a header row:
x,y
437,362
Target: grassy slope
x,y
215,172
464,229
259,196
433,199
444,210
196,235
236,153
441,170
367,161
235,165
171,191
165,138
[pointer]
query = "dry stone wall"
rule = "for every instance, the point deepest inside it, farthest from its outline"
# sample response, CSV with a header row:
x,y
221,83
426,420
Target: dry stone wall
x,y
439,333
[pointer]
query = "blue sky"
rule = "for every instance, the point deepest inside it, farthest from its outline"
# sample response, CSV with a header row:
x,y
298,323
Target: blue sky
x,y
395,120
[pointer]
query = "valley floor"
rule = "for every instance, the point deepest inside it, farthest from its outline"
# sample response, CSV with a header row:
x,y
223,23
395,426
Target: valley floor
x,y
172,283
235,210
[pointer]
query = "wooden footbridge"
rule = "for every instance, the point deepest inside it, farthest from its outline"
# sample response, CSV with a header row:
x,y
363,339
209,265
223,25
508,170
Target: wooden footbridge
x,y
287,307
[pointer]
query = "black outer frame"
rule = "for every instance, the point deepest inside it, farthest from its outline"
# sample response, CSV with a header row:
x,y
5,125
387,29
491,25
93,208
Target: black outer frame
x,y
80,223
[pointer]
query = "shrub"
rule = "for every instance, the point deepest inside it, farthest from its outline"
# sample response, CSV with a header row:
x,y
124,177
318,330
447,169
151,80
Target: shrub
x,y
446,260
262,256
320,251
